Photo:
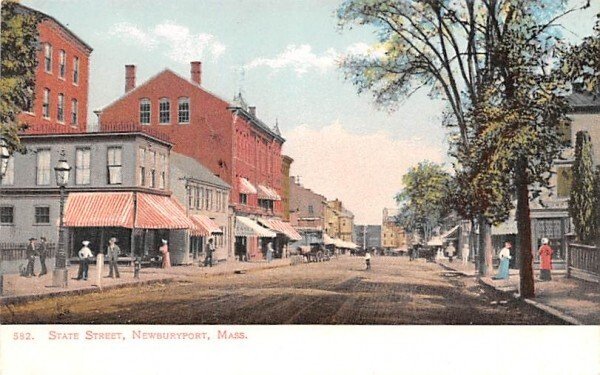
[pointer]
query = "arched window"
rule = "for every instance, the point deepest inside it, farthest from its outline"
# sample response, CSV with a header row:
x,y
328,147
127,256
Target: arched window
x,y
145,111
184,111
164,111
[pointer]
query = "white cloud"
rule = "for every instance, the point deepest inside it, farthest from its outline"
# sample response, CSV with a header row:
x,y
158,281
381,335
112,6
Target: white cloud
x,y
302,58
364,171
177,41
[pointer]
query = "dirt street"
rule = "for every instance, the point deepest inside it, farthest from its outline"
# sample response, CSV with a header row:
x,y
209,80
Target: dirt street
x,y
340,291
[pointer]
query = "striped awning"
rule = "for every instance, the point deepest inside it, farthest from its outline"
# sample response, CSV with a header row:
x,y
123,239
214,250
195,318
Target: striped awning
x,y
99,210
246,187
265,192
205,226
246,227
281,227
160,212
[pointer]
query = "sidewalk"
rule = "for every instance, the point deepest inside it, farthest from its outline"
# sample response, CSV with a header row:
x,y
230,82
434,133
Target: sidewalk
x,y
18,289
572,300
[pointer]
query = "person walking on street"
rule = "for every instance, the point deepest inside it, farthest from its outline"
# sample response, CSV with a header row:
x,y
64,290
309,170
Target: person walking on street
x,y
504,256
465,253
42,252
209,249
30,253
269,251
113,256
368,259
450,250
85,254
164,250
545,253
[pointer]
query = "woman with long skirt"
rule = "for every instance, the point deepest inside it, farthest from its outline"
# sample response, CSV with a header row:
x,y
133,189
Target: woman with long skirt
x,y
545,253
164,251
505,257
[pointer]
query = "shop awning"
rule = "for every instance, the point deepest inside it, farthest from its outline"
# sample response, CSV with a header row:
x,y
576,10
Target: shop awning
x,y
246,227
160,212
246,187
281,227
205,226
435,241
451,233
99,210
328,240
265,192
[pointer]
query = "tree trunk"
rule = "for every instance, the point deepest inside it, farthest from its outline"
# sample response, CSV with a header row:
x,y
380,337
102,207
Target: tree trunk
x,y
526,283
485,247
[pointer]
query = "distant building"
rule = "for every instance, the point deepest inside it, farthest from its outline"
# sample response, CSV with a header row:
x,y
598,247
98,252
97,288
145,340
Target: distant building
x,y
306,206
339,221
61,78
393,236
367,236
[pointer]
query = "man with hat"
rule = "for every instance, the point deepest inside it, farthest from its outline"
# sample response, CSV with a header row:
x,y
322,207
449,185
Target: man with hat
x,y
30,252
85,254
42,252
113,256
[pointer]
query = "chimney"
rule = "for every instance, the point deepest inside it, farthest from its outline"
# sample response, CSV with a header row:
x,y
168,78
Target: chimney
x,y
196,71
129,77
252,111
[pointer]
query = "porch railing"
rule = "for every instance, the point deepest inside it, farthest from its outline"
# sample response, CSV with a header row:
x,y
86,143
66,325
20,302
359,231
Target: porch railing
x,y
583,262
18,251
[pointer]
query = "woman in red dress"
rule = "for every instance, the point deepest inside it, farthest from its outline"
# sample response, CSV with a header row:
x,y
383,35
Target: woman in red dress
x,y
164,250
545,253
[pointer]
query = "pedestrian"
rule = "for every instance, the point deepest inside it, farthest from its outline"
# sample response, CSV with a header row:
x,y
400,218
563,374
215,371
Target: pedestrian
x,y
113,257
209,250
269,251
85,254
465,253
545,253
368,259
42,252
164,250
504,256
450,250
30,253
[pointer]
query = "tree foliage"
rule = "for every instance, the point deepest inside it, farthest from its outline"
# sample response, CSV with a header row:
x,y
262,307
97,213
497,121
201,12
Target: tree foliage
x,y
19,39
424,200
583,203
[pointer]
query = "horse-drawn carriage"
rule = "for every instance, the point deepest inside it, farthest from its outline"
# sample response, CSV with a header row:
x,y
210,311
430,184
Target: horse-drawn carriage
x,y
313,253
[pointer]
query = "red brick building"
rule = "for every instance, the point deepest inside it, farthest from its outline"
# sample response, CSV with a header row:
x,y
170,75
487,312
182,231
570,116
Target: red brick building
x,y
226,137
61,79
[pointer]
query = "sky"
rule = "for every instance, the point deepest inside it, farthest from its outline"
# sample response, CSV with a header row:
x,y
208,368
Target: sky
x,y
282,55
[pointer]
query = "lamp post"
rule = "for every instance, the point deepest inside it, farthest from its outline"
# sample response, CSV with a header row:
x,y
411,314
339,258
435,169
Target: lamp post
x,y
60,273
4,156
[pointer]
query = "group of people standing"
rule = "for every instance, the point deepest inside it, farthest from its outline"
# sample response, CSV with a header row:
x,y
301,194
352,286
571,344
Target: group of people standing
x,y
35,249
544,252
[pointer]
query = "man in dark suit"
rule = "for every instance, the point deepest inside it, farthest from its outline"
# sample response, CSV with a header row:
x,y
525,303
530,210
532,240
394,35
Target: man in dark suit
x,y
30,253
42,252
113,256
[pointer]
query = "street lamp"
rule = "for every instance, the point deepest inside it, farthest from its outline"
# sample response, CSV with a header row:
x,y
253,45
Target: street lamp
x,y
4,156
60,273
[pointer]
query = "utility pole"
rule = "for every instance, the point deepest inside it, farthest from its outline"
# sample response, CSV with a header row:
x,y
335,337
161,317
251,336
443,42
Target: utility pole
x,y
364,237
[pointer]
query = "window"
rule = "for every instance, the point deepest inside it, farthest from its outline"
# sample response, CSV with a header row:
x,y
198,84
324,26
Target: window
x,y
46,104
42,215
193,193
208,200
114,166
311,209
184,111
200,198
142,166
82,166
76,70
564,179
162,179
43,167
144,111
152,169
164,111
197,197
74,111
225,199
243,198
7,215
62,64
217,201
60,108
9,176
48,57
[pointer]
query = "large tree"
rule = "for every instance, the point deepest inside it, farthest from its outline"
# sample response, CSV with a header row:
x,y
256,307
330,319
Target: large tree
x,y
424,199
19,39
473,54
583,202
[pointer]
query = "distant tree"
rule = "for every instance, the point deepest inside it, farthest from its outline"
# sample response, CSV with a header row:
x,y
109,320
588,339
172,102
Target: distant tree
x,y
19,38
424,201
583,205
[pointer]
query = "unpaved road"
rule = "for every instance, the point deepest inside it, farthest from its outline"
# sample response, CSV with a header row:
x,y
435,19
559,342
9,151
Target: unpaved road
x,y
395,291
